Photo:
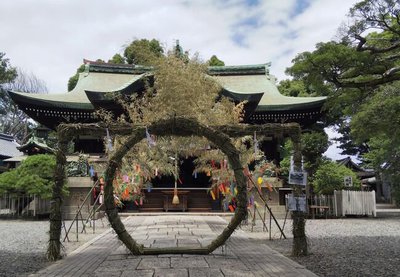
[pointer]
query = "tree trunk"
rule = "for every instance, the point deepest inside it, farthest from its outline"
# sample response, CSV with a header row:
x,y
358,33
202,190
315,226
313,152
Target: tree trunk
x,y
300,247
299,236
54,247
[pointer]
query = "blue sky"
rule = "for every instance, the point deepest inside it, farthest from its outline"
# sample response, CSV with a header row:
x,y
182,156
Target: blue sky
x,y
50,38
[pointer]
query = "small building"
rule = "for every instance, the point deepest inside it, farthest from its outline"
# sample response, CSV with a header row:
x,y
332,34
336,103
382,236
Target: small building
x,y
34,146
8,149
362,173
369,181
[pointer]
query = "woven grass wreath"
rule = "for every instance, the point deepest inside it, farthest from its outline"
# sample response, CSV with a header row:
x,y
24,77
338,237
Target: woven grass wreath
x,y
178,127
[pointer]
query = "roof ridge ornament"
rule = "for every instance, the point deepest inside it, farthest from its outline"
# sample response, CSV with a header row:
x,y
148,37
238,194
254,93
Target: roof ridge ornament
x,y
248,69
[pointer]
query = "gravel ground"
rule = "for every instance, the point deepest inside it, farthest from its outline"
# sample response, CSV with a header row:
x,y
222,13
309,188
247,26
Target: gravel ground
x,y
344,247
338,247
23,245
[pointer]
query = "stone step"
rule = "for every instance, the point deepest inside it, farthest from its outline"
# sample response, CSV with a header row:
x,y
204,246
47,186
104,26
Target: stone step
x,y
385,206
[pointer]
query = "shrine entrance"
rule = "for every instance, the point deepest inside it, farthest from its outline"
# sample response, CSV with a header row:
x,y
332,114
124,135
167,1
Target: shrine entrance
x,y
169,127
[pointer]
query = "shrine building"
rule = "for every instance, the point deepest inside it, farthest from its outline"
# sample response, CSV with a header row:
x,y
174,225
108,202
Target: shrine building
x,y
94,89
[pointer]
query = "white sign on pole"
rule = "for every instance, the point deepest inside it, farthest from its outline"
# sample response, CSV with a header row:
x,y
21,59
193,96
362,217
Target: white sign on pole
x,y
348,181
298,178
297,203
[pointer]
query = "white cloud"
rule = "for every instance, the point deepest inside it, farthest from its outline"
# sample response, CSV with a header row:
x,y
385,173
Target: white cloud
x,y
50,38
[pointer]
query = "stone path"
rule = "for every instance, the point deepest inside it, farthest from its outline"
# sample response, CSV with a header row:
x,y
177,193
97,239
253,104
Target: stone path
x,y
242,256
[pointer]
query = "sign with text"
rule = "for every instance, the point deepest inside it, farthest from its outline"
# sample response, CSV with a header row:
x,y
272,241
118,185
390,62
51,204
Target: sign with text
x,y
298,178
296,203
348,181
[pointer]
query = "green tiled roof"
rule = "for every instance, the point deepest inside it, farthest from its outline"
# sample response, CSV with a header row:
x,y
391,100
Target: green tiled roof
x,y
272,99
36,142
236,80
76,98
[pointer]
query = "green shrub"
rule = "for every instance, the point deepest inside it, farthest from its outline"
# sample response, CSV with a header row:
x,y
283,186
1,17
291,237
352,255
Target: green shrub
x,y
35,175
330,176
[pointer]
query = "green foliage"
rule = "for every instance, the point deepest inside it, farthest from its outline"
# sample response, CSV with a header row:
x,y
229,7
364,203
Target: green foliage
x,y
330,176
143,52
349,70
7,73
35,175
117,59
357,61
74,79
360,74
214,61
348,145
376,122
314,144
295,88
378,115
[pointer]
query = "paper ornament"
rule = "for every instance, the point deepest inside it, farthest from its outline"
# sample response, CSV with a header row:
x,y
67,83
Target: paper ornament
x,y
91,171
212,195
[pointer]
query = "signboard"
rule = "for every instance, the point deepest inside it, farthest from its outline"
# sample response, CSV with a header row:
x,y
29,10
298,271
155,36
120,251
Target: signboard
x,y
348,181
298,178
296,203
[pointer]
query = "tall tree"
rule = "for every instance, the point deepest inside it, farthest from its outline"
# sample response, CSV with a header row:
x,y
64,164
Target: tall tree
x,y
7,73
366,57
117,59
139,51
143,51
376,122
360,73
362,59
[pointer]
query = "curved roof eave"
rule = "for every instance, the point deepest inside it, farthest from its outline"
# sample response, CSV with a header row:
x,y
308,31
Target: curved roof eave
x,y
26,99
272,99
294,105
105,99
77,98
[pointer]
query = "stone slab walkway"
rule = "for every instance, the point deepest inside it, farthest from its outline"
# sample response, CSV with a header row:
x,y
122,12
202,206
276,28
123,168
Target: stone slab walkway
x,y
241,256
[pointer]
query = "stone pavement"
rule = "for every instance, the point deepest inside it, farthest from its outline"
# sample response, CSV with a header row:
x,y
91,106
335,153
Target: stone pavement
x,y
241,256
